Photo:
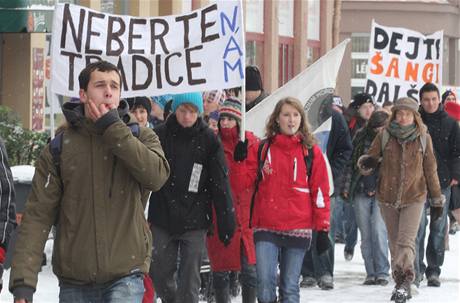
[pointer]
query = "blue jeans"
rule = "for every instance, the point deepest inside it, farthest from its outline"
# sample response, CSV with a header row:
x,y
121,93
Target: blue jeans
x,y
290,258
128,289
350,226
435,247
374,240
337,218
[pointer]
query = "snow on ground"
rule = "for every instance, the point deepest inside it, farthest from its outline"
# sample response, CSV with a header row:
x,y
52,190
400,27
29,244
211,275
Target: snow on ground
x,y
348,282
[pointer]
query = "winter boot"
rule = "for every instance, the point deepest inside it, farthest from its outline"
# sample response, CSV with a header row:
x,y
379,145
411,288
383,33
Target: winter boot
x,y
326,282
235,286
308,281
222,295
400,295
248,294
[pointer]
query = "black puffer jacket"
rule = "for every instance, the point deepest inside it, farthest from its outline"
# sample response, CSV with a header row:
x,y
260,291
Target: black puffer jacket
x,y
179,207
339,148
445,134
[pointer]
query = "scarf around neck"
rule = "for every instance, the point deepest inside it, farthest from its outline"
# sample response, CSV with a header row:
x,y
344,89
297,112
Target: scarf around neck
x,y
403,133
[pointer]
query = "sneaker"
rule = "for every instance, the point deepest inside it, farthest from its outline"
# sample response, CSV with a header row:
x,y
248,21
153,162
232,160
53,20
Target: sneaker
x,y
381,281
453,228
339,239
348,253
308,282
369,281
326,282
434,281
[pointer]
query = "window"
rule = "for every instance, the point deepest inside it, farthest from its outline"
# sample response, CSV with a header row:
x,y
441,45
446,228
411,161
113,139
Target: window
x,y
254,16
359,59
286,60
255,50
286,18
313,26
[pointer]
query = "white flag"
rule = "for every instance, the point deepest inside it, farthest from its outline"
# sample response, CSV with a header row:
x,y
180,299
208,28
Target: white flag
x,y
310,86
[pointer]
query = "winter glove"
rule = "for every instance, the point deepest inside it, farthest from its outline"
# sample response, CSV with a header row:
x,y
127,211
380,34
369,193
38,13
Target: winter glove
x,y
241,151
435,213
226,228
437,202
322,242
367,164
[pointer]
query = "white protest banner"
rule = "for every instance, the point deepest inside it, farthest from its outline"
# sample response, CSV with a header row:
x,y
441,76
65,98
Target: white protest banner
x,y
311,87
401,61
197,51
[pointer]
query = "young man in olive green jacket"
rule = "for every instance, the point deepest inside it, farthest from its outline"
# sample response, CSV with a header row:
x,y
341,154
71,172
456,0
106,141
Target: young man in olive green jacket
x,y
96,196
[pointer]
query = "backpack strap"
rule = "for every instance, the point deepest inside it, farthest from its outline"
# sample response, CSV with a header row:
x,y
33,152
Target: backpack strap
x,y
135,129
263,147
308,158
55,150
385,138
423,142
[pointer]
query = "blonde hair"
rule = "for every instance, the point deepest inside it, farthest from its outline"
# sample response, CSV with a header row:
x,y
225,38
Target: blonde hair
x,y
272,128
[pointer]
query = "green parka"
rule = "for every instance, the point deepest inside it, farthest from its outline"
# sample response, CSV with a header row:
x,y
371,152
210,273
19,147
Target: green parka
x,y
97,202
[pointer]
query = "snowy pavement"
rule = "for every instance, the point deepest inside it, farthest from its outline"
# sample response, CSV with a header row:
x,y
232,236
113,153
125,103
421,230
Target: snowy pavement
x,y
348,283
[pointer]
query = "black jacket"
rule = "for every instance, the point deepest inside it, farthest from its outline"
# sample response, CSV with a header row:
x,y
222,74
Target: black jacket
x,y
339,147
7,199
180,206
256,101
445,134
354,182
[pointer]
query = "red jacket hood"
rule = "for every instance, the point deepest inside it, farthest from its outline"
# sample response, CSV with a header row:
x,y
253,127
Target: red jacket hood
x,y
453,110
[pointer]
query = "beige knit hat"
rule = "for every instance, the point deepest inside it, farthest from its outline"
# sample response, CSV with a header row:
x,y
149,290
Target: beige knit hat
x,y
406,103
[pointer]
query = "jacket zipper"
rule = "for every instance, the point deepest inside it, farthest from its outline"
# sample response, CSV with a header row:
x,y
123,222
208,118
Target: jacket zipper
x,y
113,176
295,169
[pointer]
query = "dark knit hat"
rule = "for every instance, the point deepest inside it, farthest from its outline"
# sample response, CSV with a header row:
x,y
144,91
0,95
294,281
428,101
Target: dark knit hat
x,y
406,103
140,101
253,78
447,94
194,99
231,107
360,99
378,118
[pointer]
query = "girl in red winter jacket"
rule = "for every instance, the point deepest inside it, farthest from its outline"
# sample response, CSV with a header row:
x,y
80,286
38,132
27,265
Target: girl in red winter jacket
x,y
240,254
291,201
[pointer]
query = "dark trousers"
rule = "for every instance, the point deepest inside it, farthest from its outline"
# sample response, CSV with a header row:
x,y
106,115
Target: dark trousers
x,y
173,283
315,265
221,279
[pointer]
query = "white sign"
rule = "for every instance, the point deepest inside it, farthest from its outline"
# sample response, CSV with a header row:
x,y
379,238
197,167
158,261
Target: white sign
x,y
197,51
401,61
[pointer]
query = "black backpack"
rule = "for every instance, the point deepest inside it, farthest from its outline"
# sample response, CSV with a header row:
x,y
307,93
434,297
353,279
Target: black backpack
x,y
263,149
